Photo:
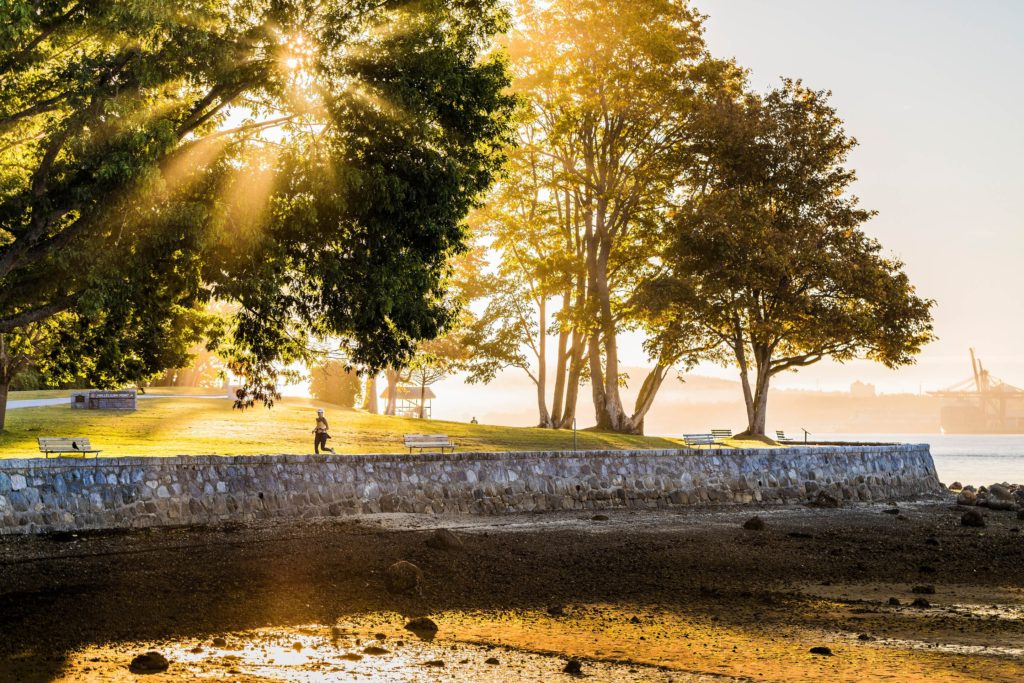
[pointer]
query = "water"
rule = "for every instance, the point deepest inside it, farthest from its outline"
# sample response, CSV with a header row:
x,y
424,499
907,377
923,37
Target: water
x,y
968,458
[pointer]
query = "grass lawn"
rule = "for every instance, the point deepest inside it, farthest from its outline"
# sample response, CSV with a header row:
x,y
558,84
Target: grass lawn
x,y
151,391
162,427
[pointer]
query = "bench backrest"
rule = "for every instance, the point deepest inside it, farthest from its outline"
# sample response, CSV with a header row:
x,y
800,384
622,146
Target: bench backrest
x,y
721,433
418,439
780,435
699,439
64,444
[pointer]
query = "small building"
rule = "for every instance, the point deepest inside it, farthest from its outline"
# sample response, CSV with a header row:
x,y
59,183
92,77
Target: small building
x,y
95,399
408,398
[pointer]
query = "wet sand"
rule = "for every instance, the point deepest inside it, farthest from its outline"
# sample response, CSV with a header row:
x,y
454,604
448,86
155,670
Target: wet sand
x,y
684,595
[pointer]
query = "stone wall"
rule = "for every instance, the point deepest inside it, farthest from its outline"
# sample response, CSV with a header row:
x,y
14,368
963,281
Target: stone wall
x,y
38,495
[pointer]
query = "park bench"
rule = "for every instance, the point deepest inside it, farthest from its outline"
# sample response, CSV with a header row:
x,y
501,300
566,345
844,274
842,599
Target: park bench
x,y
424,441
698,440
781,437
720,435
61,446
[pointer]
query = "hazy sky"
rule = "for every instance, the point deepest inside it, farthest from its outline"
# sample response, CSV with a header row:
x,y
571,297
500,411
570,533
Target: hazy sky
x,y
932,90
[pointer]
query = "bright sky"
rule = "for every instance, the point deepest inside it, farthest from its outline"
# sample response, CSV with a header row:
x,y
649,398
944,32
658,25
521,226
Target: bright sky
x,y
932,90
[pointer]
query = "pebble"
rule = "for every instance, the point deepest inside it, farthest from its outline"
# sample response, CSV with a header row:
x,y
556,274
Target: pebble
x,y
821,650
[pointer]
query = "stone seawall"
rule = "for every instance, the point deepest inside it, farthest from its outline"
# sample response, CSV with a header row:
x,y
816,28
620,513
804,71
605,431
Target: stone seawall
x,y
38,495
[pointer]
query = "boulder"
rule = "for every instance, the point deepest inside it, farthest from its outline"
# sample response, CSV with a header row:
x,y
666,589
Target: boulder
x,y
972,518
824,499
755,523
443,539
1000,492
149,663
600,518
967,497
920,602
956,486
923,590
821,650
403,577
1005,505
421,625
573,667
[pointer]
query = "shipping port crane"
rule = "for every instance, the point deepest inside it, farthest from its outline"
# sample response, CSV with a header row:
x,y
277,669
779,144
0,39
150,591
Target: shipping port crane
x,y
982,404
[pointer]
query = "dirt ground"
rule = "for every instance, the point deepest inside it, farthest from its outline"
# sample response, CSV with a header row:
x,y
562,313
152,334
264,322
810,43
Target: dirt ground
x,y
682,595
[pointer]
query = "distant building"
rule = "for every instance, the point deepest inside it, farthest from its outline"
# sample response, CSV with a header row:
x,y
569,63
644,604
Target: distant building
x,y
407,400
862,390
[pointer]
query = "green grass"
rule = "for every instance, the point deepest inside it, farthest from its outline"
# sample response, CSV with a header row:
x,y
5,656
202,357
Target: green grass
x,y
164,427
151,391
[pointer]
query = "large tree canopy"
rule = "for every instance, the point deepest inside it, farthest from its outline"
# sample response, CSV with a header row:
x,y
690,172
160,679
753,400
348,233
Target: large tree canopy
x,y
610,88
769,265
311,162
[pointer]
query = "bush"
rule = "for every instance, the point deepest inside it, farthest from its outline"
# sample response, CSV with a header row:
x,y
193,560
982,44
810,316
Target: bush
x,y
332,383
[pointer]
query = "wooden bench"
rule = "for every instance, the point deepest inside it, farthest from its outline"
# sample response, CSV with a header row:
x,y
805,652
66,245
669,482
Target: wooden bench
x,y
720,435
424,441
65,445
781,437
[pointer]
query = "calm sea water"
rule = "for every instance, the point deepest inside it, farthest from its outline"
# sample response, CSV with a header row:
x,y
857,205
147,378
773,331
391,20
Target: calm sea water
x,y
968,458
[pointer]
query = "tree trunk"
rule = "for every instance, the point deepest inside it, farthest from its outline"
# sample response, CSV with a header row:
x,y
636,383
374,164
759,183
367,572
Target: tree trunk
x,y
560,369
423,398
614,415
645,399
4,390
370,399
542,364
572,390
756,397
597,383
392,400
759,413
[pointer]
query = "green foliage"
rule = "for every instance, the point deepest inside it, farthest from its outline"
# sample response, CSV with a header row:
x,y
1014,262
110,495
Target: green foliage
x,y
128,201
610,90
332,383
769,266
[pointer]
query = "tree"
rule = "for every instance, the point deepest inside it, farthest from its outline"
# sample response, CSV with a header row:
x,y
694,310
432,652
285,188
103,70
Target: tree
x,y
334,383
613,88
435,360
129,195
540,282
769,264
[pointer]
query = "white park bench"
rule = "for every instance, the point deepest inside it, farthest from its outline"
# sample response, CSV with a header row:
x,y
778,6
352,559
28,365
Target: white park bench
x,y
424,441
78,445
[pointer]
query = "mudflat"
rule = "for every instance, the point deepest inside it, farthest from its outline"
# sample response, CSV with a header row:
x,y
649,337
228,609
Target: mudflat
x,y
673,595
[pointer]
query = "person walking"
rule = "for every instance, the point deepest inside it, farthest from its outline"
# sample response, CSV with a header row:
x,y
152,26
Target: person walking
x,y
320,434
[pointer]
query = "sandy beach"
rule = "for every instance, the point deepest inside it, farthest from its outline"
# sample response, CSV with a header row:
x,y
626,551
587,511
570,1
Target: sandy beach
x,y
687,595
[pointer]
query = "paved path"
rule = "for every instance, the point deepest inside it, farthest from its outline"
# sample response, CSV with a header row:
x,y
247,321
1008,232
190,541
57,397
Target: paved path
x,y
39,402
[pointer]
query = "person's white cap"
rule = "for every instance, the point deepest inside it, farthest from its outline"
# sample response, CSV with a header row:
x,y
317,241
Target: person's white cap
x,y
320,410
